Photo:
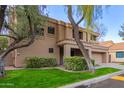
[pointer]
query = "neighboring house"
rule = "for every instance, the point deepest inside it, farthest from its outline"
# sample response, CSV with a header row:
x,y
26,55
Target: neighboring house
x,y
57,41
116,51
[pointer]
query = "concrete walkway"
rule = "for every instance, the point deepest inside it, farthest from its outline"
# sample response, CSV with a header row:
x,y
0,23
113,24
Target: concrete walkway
x,y
12,68
113,65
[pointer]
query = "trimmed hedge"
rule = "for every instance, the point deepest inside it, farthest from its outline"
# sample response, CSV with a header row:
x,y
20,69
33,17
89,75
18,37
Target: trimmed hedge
x,y
76,63
37,62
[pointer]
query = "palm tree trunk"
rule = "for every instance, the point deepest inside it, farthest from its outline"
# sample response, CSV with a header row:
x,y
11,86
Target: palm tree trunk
x,y
77,39
83,50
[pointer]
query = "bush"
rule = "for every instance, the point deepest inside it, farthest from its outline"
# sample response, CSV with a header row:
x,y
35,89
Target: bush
x,y
76,63
37,62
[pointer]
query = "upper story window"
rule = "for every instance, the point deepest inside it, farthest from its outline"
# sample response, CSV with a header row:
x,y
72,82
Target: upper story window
x,y
39,31
80,34
73,33
120,54
93,37
51,30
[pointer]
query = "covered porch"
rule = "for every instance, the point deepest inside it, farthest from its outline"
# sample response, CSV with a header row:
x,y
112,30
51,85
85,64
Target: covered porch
x,y
98,54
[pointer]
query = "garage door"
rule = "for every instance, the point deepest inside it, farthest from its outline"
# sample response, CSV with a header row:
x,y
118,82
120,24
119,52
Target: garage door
x,y
97,57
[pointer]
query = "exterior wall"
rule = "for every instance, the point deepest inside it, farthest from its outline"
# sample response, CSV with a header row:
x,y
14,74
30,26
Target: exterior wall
x,y
9,60
40,47
60,31
113,56
68,32
85,36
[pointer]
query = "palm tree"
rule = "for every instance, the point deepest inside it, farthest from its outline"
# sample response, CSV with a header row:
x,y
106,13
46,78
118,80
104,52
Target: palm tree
x,y
87,12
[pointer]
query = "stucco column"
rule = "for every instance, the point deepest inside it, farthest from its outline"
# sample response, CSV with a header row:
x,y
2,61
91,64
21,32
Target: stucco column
x,y
67,51
68,32
14,55
107,57
90,53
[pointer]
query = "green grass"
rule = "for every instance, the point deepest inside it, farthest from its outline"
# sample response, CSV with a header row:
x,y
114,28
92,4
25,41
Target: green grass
x,y
47,78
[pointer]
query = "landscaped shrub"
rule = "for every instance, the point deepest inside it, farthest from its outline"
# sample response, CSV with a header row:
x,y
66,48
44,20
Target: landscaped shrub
x,y
37,62
76,63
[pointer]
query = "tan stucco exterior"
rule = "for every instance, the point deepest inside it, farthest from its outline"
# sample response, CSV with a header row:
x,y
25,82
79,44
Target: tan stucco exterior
x,y
113,56
62,40
113,49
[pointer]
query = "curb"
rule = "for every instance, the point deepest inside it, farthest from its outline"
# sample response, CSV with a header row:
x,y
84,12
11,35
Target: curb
x,y
92,81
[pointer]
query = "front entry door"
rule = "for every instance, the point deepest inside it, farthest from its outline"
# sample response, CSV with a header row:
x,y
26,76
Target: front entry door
x,y
61,55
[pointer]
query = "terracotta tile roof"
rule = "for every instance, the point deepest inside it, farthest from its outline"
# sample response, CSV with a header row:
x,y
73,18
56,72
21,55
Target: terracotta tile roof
x,y
106,43
112,45
117,46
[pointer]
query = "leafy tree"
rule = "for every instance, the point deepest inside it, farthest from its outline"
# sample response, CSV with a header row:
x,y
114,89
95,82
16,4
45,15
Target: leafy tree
x,y
22,23
89,14
121,32
101,29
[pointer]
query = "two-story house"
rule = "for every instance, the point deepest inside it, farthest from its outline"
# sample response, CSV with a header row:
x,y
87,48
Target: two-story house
x,y
57,40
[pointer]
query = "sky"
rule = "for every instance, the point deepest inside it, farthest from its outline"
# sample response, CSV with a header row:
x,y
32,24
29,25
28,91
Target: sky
x,y
113,17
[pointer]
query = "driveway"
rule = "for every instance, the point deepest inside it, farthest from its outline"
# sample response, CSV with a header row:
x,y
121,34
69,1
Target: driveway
x,y
113,82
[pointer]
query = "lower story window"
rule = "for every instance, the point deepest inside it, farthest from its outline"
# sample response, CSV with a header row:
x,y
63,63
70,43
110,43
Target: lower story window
x,y
120,54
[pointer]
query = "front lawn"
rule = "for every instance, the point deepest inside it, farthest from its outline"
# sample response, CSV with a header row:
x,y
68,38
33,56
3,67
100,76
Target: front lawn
x,y
47,78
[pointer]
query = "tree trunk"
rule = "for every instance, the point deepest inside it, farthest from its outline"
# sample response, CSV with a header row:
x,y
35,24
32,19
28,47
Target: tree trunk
x,y
2,16
2,70
83,50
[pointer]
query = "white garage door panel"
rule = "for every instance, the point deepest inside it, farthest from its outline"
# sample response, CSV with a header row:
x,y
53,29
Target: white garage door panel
x,y
97,58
